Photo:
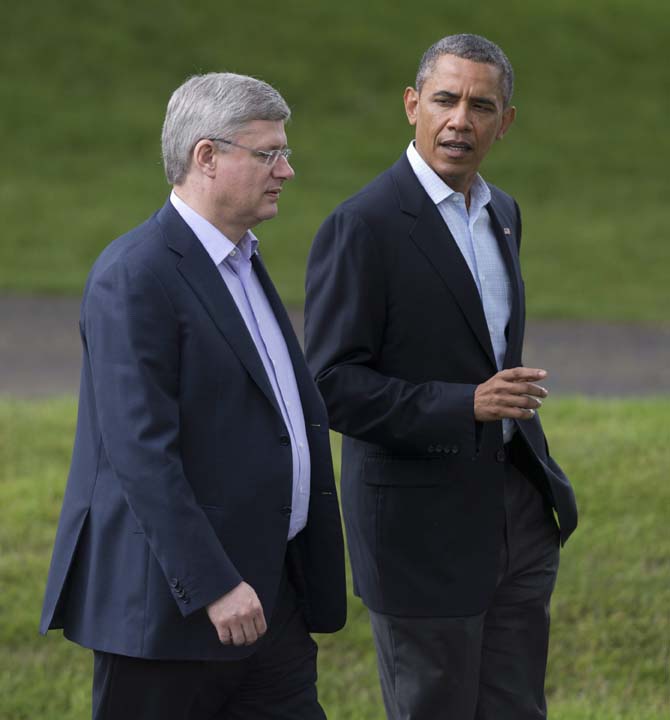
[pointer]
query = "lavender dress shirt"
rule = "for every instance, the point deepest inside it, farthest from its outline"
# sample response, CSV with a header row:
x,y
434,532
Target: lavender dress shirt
x,y
234,264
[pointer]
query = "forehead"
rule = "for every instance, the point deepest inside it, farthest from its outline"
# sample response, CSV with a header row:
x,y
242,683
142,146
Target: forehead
x,y
458,75
270,132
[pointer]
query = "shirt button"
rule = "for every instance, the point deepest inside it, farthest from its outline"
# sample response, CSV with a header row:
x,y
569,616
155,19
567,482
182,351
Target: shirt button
x,y
301,445
233,252
500,456
284,440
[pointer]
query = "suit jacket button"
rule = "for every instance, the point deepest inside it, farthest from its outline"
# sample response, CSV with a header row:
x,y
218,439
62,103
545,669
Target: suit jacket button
x,y
284,440
454,449
186,600
439,448
431,448
174,582
500,455
286,510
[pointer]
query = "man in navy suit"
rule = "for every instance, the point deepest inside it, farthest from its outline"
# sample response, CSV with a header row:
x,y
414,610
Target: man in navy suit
x,y
199,541
414,331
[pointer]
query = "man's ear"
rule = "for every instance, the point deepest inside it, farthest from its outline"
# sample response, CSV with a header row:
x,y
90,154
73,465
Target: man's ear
x,y
204,157
507,119
411,100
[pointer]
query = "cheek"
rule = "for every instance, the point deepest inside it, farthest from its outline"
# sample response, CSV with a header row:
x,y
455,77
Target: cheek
x,y
426,132
249,190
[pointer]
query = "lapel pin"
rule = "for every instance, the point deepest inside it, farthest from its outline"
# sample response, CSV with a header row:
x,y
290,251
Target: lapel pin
x,y
507,231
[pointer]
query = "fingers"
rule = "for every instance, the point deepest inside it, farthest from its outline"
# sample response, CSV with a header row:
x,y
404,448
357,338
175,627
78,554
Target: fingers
x,y
530,398
510,394
521,374
530,389
260,625
519,406
517,413
242,632
238,616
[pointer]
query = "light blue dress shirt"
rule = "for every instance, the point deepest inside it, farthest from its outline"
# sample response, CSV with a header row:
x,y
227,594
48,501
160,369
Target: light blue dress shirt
x,y
234,265
472,230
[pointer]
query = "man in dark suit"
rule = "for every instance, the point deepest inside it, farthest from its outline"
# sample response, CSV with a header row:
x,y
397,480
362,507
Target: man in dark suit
x,y
414,330
199,541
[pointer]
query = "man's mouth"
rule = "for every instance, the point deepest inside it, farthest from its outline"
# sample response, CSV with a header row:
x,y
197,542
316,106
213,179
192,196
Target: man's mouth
x,y
456,148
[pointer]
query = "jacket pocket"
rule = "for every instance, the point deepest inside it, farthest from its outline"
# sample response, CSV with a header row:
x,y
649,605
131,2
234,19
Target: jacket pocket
x,y
405,471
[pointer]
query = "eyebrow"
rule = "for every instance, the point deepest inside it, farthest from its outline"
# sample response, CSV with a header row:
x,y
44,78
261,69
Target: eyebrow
x,y
455,96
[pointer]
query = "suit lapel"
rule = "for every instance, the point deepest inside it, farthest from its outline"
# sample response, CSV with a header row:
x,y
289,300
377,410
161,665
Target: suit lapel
x,y
434,240
197,268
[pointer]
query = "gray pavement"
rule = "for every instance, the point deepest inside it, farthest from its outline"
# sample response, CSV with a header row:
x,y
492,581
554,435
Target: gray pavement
x,y
40,351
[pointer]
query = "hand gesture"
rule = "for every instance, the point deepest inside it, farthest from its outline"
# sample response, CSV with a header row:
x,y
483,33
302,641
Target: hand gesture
x,y
510,394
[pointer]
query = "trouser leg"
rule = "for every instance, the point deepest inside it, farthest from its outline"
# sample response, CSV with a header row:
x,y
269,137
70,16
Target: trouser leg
x,y
281,682
516,628
126,688
428,667
489,666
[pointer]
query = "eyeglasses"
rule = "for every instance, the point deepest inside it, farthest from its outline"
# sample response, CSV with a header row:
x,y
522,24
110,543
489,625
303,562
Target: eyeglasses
x,y
269,157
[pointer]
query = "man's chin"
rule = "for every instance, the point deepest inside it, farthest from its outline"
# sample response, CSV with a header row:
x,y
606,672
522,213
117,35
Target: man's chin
x,y
455,174
267,212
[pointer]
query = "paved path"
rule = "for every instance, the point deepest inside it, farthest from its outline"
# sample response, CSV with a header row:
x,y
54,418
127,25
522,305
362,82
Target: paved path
x,y
40,351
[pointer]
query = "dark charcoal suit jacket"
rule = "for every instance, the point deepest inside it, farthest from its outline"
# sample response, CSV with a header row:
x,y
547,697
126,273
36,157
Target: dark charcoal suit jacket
x,y
396,337
180,484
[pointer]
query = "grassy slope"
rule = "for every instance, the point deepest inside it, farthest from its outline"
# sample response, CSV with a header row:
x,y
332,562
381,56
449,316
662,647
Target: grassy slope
x,y
611,629
87,82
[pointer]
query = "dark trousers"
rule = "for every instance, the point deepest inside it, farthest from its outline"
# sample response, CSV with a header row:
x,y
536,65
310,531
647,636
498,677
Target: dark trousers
x,y
489,666
277,682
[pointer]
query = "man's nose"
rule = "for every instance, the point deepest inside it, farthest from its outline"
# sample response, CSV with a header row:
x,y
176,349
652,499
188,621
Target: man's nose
x,y
459,117
282,169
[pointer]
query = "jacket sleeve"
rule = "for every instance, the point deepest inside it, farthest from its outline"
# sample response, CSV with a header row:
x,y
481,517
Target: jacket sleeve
x,y
346,320
131,332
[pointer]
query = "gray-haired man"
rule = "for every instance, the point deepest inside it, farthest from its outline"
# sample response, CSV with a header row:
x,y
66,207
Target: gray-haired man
x,y
414,331
199,540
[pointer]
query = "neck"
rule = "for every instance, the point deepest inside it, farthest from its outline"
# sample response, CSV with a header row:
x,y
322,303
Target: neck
x,y
197,199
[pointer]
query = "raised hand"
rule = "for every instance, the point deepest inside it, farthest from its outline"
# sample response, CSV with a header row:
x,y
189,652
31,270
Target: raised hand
x,y
510,393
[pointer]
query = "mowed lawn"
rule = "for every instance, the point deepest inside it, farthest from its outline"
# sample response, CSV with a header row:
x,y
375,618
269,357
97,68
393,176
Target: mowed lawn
x,y
611,625
86,84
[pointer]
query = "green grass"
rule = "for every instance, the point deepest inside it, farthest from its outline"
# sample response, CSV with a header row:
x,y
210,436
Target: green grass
x,y
611,626
86,84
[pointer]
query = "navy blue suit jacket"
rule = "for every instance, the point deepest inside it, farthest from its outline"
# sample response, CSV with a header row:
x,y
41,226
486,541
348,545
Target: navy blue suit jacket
x,y
180,483
396,336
